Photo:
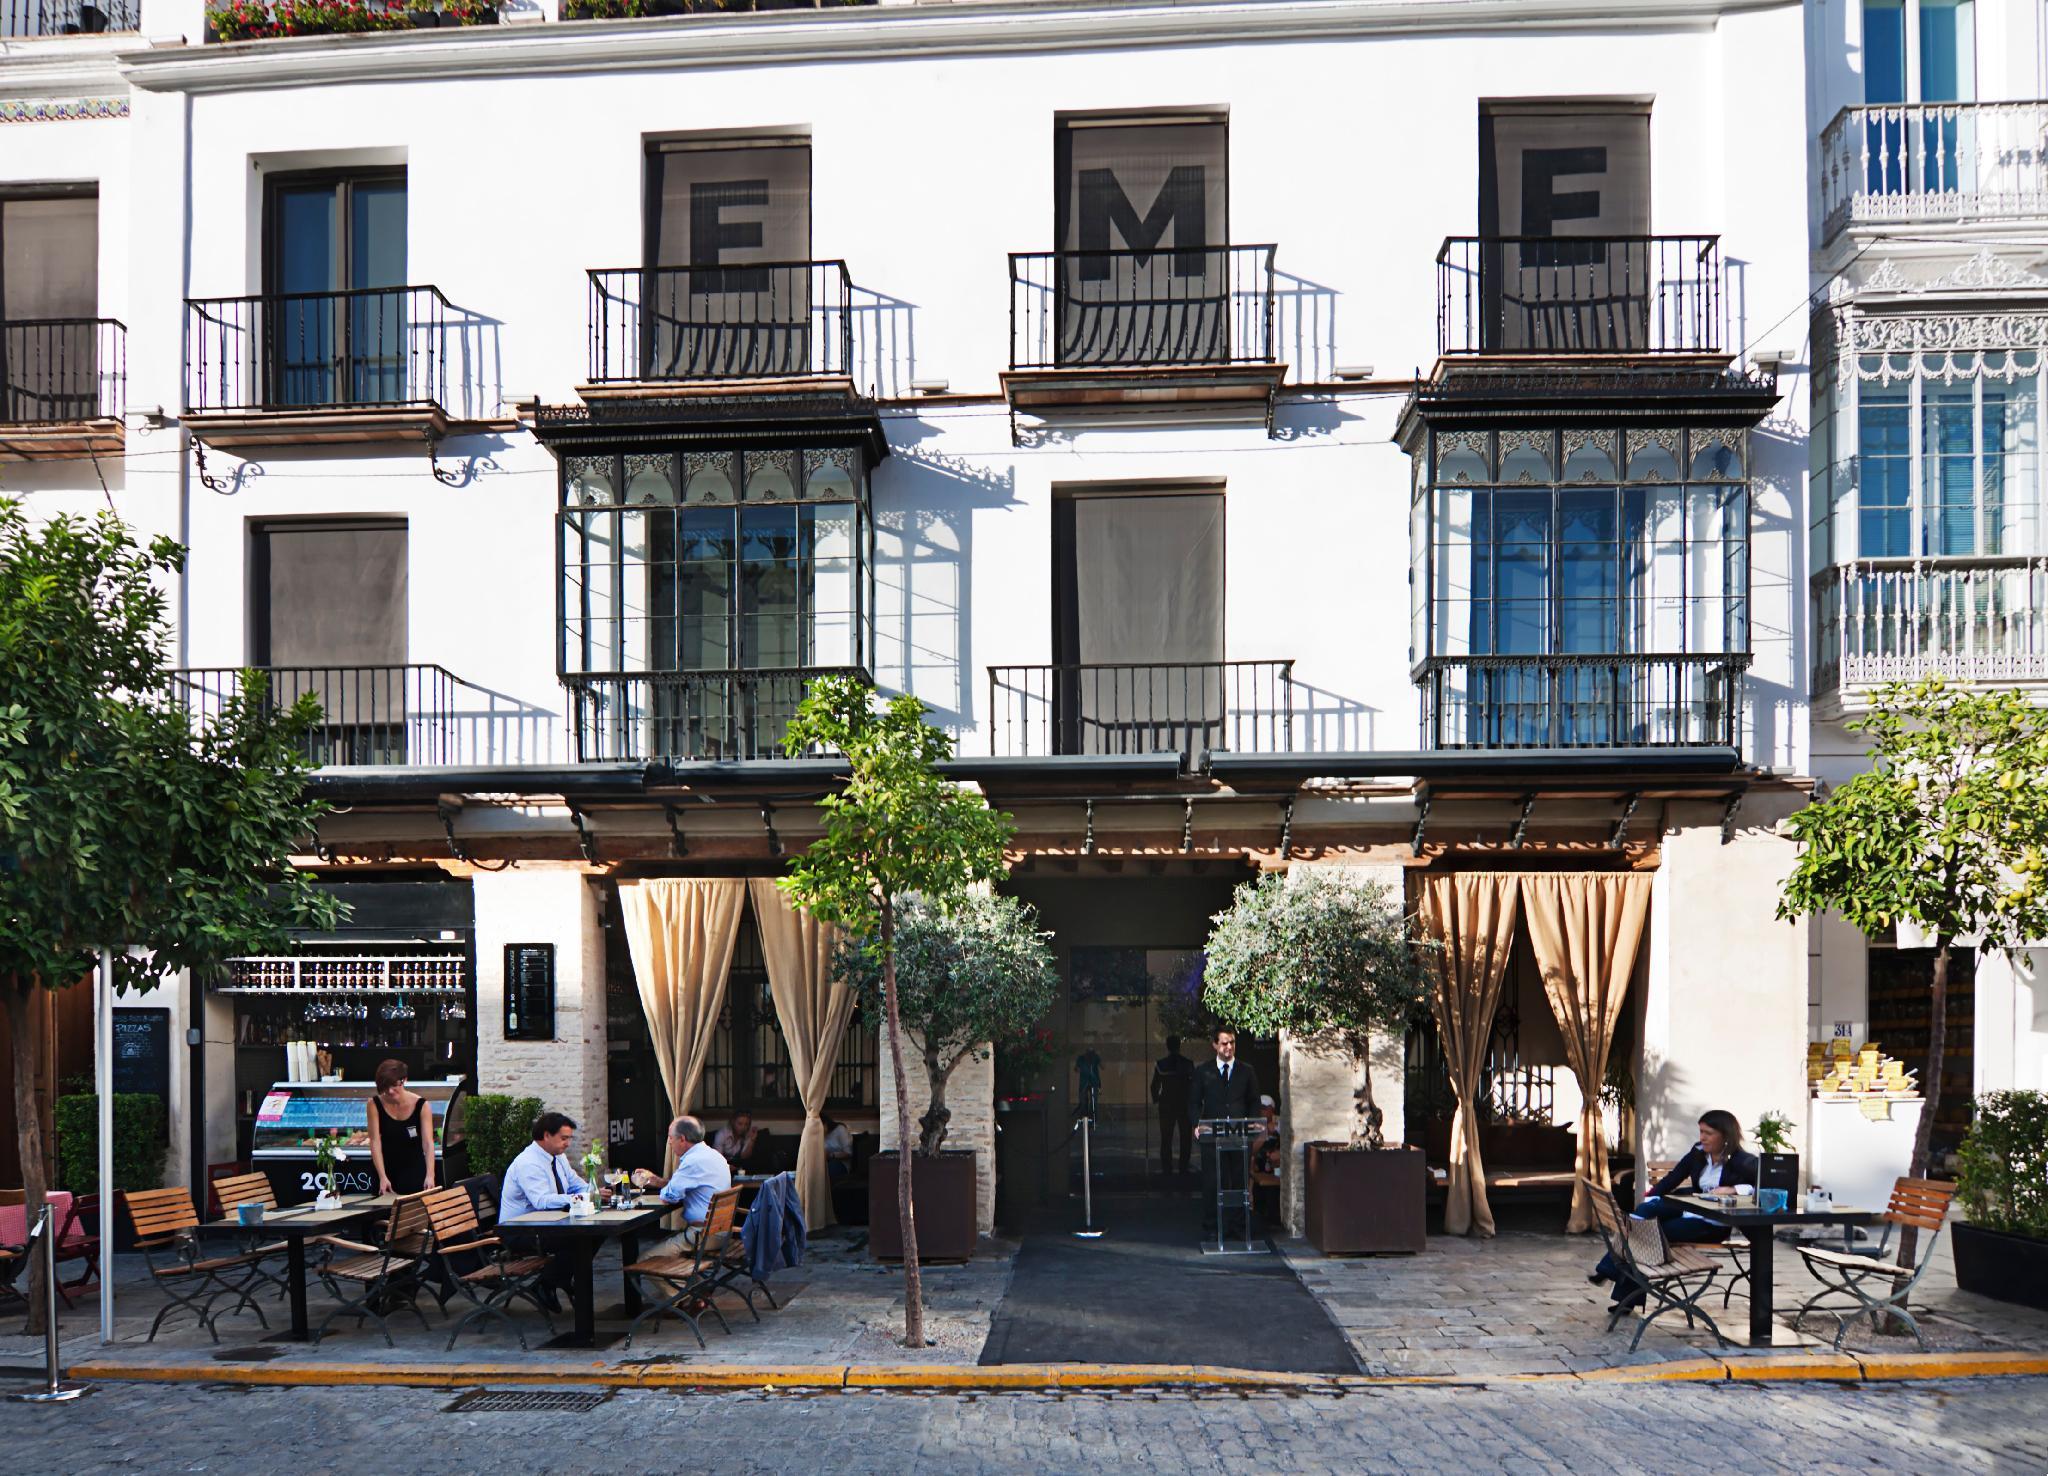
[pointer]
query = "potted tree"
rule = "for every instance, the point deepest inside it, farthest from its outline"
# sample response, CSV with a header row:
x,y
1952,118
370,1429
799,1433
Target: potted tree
x,y
1778,1164
964,979
2001,1244
1329,961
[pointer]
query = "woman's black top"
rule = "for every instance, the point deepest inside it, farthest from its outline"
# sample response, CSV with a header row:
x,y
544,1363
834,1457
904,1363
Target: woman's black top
x,y
405,1147
1737,1168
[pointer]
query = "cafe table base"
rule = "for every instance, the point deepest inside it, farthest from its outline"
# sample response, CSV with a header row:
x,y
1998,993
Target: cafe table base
x,y
575,1241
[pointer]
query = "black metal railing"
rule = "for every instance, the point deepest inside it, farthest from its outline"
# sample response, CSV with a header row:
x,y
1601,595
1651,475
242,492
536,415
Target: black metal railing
x,y
1127,707
26,18
637,716
765,320
367,347
1198,305
411,714
1582,701
56,370
1579,295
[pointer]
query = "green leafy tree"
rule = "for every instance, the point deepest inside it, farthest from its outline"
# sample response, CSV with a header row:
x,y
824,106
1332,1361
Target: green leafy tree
x,y
1328,959
896,829
965,979
125,823
1944,831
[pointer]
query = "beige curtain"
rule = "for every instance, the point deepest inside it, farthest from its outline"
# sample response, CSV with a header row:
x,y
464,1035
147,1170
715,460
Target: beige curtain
x,y
1586,927
681,931
814,1009
1471,916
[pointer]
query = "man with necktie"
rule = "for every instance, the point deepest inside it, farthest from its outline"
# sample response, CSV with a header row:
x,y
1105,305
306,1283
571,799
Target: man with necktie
x,y
541,1178
1224,1087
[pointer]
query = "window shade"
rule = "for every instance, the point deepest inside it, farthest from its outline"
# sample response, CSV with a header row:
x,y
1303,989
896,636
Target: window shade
x,y
333,594
49,269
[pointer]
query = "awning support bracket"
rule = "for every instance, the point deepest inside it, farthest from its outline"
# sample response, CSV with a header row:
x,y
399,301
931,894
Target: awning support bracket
x,y
1287,830
584,838
768,824
1088,835
1521,832
1421,823
447,812
677,846
1728,816
1187,826
1619,837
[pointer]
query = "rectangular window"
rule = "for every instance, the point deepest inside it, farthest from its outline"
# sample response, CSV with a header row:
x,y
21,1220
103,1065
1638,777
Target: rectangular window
x,y
1142,222
337,332
1949,467
728,286
49,299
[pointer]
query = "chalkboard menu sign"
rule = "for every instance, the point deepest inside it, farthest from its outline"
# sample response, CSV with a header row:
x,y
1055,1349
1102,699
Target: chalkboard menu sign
x,y
142,1052
529,991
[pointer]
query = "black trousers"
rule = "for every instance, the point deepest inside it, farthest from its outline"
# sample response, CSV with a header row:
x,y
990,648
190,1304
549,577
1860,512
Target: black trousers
x,y
1174,1128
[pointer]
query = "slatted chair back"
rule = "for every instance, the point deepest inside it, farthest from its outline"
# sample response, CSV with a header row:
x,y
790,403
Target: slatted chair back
x,y
156,1215
1654,1172
451,1215
718,1222
1921,1204
1640,1243
410,1227
234,1190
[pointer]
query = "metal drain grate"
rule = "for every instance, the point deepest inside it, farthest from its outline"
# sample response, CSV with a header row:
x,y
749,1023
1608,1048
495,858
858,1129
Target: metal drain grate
x,y
527,1401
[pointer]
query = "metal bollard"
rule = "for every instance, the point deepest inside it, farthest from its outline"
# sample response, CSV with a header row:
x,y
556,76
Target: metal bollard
x,y
55,1391
1089,1229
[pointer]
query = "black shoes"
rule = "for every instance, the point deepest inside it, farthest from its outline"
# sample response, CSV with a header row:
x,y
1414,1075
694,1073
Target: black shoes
x,y
1598,1278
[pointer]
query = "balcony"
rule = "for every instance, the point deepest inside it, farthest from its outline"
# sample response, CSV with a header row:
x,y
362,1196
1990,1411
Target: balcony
x,y
1582,701
642,716
389,715
1566,297
22,19
1090,329
1127,708
1934,163
1969,619
677,325
371,364
63,385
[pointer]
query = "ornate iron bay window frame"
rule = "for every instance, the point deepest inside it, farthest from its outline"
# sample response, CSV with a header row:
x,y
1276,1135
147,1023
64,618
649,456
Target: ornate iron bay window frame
x,y
1632,687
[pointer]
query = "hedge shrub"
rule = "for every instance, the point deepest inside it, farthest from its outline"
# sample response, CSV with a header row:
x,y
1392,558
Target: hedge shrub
x,y
497,1128
139,1142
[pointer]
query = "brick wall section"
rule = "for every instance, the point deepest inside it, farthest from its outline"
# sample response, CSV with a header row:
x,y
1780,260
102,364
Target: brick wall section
x,y
970,1097
545,904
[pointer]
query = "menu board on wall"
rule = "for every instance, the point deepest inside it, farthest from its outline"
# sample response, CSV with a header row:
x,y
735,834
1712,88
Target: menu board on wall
x,y
529,991
142,1052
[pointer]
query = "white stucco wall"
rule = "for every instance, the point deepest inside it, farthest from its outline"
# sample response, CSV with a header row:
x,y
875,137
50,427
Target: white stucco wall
x,y
540,903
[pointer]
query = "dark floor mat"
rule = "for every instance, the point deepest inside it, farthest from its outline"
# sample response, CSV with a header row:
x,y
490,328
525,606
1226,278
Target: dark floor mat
x,y
1145,1293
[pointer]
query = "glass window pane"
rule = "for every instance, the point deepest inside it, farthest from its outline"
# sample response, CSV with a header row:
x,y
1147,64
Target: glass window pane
x,y
1884,502
1948,469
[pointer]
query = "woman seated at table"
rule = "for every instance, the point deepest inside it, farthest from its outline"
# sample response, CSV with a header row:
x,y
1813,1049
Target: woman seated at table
x,y
838,1148
740,1143
1716,1165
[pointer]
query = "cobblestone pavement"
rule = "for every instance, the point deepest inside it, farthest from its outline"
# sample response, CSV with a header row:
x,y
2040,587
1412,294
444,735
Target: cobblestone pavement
x,y
1991,1426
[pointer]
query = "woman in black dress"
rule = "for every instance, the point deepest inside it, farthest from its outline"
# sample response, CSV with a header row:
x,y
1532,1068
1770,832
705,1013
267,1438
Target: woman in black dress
x,y
401,1134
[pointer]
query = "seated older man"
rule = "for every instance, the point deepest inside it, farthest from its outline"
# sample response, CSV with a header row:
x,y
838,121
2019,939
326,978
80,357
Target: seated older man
x,y
701,1171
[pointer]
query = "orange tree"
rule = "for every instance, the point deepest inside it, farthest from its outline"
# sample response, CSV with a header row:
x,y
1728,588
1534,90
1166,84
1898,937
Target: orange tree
x,y
124,822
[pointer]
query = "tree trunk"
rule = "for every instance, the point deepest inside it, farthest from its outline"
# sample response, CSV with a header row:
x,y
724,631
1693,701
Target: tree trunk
x,y
913,1285
1930,1089
933,1124
1365,1133
29,1127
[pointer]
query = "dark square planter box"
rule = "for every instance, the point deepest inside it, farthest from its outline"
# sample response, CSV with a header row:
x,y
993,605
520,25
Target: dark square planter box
x,y
1997,1263
943,1194
1365,1201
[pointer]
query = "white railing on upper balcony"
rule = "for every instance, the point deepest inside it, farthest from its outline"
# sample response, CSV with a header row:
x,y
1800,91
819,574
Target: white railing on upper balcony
x,y
1893,163
1972,619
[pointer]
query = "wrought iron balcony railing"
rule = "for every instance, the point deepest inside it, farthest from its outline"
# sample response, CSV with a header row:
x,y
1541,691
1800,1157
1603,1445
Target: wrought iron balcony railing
x,y
366,348
1138,708
638,716
1938,162
766,320
1970,619
1131,309
389,715
1582,701
1572,295
60,370
20,19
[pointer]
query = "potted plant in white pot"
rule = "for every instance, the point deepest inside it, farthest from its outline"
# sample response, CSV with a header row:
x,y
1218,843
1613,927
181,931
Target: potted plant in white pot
x,y
1330,960
2001,1243
979,974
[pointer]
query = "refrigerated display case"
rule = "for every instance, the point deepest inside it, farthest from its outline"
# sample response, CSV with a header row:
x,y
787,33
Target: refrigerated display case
x,y
295,1115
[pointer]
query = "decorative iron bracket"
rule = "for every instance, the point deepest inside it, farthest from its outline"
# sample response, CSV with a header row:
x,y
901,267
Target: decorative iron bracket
x,y
1521,832
210,482
1088,836
1421,823
768,824
677,846
448,812
1728,816
1619,836
1287,830
446,479
1187,826
584,838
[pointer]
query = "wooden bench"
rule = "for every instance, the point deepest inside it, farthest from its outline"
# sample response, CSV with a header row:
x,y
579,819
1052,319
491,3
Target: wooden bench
x,y
1523,1160
167,1232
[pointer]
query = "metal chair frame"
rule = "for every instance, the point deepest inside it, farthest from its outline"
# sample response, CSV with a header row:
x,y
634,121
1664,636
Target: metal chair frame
x,y
389,1274
696,1278
167,1232
454,1231
1675,1281
1921,1204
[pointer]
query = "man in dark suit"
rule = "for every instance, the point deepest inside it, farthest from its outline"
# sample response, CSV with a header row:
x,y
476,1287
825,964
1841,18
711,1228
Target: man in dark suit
x,y
1224,1087
1172,1074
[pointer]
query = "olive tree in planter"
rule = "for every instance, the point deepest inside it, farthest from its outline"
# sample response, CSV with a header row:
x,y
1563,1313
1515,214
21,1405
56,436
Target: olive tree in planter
x,y
895,828
2001,1244
964,979
1329,960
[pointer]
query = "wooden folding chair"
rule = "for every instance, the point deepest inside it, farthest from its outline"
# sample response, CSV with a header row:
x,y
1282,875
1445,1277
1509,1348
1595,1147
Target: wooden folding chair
x,y
480,1267
1733,1250
1675,1277
369,1281
1870,1283
694,1277
167,1233
232,1191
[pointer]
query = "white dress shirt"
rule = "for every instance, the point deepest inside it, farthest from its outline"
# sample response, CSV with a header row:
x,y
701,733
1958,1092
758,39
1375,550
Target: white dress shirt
x,y
538,1180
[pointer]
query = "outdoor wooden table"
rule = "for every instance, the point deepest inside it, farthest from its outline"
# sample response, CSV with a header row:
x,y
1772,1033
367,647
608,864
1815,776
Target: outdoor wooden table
x,y
580,1237
295,1227
1760,1228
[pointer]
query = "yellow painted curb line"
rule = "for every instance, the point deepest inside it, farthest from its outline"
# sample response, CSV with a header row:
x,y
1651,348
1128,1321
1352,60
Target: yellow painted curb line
x,y
1891,1366
1678,1371
1792,1368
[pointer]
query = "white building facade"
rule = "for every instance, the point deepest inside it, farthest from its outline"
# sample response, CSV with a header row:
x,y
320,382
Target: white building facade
x,y
1264,433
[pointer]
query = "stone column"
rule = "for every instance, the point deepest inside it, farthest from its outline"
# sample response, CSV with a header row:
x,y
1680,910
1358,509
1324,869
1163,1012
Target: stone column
x,y
970,1097
545,903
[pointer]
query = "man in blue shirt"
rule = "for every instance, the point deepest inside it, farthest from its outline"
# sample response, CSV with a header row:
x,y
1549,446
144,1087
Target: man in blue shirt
x,y
541,1178
701,1171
